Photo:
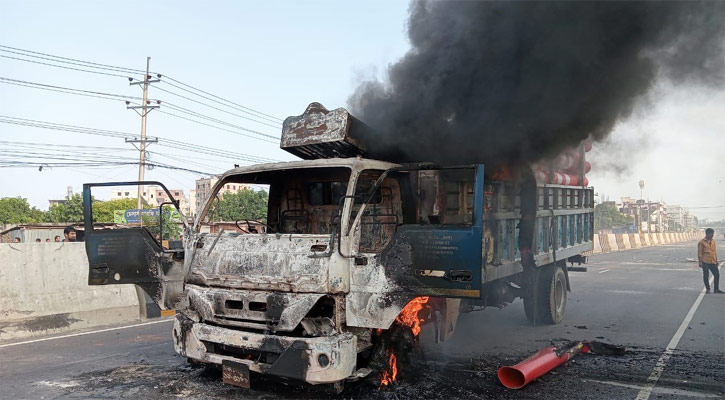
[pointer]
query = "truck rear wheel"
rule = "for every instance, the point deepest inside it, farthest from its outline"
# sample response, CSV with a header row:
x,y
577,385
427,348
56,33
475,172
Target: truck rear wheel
x,y
545,302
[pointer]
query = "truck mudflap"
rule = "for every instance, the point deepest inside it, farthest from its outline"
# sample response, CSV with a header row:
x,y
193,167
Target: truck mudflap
x,y
317,360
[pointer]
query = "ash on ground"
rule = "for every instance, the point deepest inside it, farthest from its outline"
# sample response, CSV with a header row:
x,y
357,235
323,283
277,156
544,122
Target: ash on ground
x,y
590,376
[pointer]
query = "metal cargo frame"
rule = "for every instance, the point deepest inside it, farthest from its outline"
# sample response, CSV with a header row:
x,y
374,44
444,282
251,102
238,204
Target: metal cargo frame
x,y
564,226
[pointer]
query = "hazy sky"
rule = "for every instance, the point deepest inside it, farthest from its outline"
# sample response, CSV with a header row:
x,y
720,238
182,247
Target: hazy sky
x,y
277,57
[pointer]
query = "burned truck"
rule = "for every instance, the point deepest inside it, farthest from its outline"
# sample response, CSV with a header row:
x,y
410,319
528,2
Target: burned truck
x,y
347,244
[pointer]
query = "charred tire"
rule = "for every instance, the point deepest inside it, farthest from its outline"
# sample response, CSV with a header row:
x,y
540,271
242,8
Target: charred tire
x,y
545,304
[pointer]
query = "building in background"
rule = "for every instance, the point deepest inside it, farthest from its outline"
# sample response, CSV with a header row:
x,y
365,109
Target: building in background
x,y
654,216
677,218
191,204
690,223
162,197
155,196
148,195
205,185
628,206
68,195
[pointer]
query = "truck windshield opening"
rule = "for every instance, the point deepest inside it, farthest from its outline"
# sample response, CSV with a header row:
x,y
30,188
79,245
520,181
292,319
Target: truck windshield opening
x,y
298,201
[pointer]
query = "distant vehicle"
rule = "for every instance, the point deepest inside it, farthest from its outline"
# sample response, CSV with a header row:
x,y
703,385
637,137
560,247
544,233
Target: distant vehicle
x,y
349,242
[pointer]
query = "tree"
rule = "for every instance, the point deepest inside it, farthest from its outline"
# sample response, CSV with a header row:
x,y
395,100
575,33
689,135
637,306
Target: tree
x,y
246,204
56,213
71,211
171,229
103,210
16,210
607,216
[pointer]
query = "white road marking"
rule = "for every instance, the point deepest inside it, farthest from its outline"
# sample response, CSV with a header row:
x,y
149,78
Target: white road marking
x,y
676,392
646,391
606,270
62,385
87,333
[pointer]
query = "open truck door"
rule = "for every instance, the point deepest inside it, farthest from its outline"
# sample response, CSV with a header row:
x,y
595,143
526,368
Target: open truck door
x,y
442,254
133,254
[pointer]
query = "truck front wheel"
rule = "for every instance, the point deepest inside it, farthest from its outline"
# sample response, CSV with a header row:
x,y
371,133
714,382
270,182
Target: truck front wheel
x,y
545,300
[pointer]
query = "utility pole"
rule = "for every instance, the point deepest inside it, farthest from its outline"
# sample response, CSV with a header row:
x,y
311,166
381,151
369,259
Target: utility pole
x,y
145,108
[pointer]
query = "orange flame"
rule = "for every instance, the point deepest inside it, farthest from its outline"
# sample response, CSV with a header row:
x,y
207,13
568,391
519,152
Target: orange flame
x,y
502,173
409,314
410,318
389,375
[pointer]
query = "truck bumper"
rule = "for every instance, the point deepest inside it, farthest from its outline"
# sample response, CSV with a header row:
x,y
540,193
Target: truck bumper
x,y
315,360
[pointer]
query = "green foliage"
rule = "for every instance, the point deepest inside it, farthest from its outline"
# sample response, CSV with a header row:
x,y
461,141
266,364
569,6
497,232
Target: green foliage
x,y
16,210
103,210
71,211
247,204
607,216
171,230
56,213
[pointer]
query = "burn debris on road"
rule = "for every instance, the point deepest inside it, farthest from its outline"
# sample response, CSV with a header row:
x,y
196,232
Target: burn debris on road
x,y
466,378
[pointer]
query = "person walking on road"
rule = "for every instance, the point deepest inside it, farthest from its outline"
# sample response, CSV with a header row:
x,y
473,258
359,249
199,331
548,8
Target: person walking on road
x,y
707,256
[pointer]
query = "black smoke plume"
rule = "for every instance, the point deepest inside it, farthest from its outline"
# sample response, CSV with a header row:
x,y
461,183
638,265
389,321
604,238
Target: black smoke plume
x,y
502,82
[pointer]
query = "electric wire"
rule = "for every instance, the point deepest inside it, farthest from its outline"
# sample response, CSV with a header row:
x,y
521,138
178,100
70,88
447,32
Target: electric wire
x,y
217,108
170,143
20,164
218,121
64,67
220,98
179,85
216,127
109,96
80,92
67,59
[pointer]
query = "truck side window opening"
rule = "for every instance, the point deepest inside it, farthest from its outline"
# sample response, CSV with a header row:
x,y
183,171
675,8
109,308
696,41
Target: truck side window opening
x,y
445,196
325,193
383,213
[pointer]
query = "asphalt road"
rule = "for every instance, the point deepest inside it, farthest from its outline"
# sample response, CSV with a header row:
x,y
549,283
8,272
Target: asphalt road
x,y
649,300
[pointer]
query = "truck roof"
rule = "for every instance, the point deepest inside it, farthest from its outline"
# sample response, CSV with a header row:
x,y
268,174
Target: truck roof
x,y
352,163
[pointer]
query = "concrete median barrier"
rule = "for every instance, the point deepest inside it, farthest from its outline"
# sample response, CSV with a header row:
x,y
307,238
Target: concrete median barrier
x,y
44,289
634,241
626,245
606,245
597,245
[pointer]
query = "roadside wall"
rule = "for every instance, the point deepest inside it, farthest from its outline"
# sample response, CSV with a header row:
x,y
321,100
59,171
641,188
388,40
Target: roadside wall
x,y
618,242
44,289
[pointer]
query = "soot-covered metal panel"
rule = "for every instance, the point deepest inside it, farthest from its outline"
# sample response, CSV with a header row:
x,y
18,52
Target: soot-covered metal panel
x,y
321,133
